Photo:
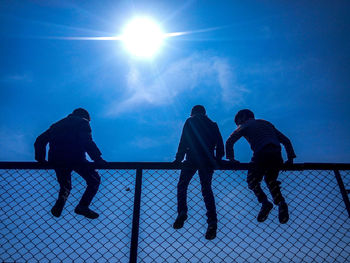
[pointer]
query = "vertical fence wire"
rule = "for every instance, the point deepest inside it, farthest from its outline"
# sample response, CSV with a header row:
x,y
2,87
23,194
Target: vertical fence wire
x,y
318,230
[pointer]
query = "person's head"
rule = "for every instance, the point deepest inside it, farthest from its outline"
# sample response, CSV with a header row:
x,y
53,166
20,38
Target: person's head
x,y
243,115
198,110
80,112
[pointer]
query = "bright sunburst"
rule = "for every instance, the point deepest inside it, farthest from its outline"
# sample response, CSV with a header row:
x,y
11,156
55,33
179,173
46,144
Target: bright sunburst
x,y
143,37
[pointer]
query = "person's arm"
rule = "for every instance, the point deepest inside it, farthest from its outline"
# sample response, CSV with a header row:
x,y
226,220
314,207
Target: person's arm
x,y
89,145
183,145
287,145
220,151
40,146
235,136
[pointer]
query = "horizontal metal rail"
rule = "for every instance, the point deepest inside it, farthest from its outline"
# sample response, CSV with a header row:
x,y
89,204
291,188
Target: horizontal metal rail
x,y
225,165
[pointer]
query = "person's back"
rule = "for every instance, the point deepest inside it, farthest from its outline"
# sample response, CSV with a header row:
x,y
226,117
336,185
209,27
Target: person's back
x,y
66,140
262,136
200,139
69,139
201,135
260,133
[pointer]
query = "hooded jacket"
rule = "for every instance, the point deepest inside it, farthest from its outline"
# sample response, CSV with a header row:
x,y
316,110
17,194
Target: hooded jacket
x,y
199,139
69,139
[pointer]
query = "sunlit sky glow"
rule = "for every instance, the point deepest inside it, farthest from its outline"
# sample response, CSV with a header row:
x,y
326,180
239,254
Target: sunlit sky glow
x,y
288,62
142,37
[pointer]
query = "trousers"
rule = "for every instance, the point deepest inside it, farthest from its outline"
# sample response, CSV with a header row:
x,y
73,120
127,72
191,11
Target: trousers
x,y
205,176
265,165
90,175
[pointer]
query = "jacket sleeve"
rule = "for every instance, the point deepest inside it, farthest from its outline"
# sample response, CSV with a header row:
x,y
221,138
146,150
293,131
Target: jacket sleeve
x,y
183,145
235,136
220,151
40,146
286,143
89,145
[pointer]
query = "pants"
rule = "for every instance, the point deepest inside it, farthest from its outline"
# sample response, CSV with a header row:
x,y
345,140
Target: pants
x,y
64,178
266,165
205,176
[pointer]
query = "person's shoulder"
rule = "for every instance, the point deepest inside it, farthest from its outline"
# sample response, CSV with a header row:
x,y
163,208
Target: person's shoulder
x,y
188,120
263,121
208,120
259,120
79,122
250,124
210,123
59,122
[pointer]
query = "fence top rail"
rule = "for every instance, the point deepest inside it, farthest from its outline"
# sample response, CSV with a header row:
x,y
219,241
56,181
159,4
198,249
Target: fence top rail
x,y
171,166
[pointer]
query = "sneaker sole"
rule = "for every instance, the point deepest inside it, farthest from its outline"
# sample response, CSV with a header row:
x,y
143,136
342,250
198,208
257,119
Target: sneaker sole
x,y
90,217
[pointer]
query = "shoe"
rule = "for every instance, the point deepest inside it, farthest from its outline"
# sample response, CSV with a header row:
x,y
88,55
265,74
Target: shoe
x,y
211,232
264,211
56,210
86,211
179,222
283,214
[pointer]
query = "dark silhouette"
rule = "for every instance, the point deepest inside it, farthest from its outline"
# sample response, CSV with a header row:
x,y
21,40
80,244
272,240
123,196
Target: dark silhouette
x,y
200,137
69,139
266,162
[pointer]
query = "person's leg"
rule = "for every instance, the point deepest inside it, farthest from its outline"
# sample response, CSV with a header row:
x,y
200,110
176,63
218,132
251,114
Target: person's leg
x,y
254,178
185,178
93,180
206,176
274,187
64,179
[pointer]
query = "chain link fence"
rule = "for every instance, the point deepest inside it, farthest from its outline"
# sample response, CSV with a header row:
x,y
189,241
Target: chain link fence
x,y
318,229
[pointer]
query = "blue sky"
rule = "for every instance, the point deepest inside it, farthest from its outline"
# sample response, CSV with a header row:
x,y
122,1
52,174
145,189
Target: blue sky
x,y
288,62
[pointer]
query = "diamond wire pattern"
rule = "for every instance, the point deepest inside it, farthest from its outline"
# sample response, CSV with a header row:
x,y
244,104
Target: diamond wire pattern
x,y
29,233
318,229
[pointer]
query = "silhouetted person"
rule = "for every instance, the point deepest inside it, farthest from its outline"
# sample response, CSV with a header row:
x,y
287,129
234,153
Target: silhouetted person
x,y
69,139
266,162
199,139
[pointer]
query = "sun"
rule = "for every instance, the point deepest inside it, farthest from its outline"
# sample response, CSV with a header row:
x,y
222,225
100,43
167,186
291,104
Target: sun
x,y
142,37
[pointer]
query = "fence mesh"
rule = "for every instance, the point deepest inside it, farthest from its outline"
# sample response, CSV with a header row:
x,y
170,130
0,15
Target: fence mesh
x,y
318,229
29,233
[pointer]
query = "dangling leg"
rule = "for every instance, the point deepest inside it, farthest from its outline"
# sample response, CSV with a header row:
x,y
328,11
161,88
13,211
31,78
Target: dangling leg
x,y
275,190
93,180
206,175
185,178
64,180
254,178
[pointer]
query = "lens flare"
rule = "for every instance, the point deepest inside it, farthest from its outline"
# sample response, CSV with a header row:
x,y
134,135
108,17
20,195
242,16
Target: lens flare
x,y
143,37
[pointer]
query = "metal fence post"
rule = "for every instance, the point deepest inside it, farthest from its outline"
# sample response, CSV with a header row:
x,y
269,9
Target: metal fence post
x,y
136,217
343,190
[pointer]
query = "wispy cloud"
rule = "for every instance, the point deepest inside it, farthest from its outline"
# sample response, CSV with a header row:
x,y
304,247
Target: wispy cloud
x,y
187,74
145,143
14,146
17,78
